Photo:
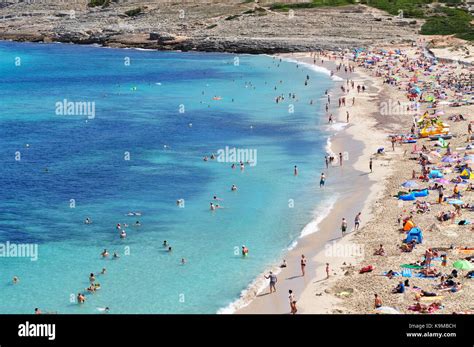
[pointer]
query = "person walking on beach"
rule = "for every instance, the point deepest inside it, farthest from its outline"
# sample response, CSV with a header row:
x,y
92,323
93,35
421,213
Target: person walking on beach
x,y
357,221
322,180
327,161
303,264
327,270
370,165
292,299
273,280
340,159
347,116
343,226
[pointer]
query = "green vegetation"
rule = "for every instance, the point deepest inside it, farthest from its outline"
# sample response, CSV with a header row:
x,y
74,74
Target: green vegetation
x,y
448,21
94,3
410,8
441,18
134,12
314,3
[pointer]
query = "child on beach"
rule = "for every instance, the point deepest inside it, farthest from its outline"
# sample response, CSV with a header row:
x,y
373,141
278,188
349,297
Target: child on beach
x,y
292,299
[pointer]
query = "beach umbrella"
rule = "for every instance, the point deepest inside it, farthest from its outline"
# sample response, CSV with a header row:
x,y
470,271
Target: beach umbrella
x,y
442,181
386,310
448,159
463,264
409,184
455,202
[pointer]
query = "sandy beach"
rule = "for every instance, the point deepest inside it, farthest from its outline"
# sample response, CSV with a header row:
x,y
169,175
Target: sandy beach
x,y
347,291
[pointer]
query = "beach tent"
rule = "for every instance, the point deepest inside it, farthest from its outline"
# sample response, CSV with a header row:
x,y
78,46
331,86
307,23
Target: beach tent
x,y
435,174
414,234
467,174
408,225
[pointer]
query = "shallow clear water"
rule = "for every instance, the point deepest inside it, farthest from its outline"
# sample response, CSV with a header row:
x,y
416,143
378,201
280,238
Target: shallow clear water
x,y
137,110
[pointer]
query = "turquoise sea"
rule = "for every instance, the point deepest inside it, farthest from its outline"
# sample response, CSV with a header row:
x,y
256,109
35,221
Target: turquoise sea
x,y
157,114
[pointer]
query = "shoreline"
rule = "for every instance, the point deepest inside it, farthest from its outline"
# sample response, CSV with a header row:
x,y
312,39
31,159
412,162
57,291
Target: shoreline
x,y
321,244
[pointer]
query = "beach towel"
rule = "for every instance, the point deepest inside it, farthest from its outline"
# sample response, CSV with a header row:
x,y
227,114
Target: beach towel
x,y
420,275
409,266
432,298
407,273
394,274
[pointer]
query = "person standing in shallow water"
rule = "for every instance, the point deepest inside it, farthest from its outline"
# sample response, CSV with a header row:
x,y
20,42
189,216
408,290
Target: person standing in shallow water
x,y
322,180
273,280
296,170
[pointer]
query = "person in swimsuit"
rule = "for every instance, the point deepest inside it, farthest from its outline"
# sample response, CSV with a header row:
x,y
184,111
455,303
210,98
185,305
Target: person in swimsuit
x,y
357,221
296,171
273,280
343,226
377,301
322,180
292,299
303,264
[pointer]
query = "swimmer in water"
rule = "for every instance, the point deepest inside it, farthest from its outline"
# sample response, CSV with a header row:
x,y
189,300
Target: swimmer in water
x,y
242,166
245,251
233,188
15,280
205,158
104,271
169,249
183,261
105,254
213,207
296,170
103,309
116,255
81,298
91,278
137,223
233,166
165,243
88,221
118,227
217,199
123,234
